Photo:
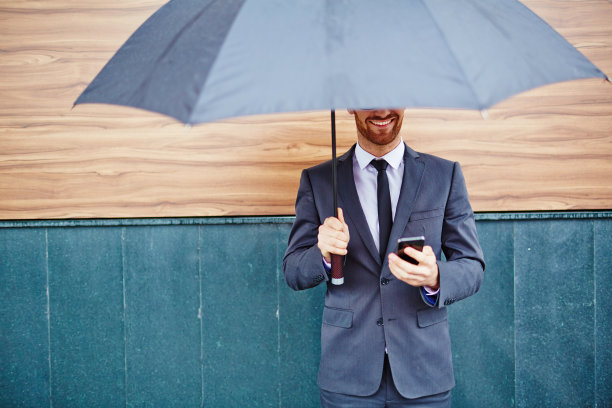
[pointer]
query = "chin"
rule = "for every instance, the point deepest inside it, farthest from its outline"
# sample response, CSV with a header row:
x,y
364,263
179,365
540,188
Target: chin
x,y
382,141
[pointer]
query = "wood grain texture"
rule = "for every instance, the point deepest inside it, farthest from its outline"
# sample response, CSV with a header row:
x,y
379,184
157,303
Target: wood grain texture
x,y
547,149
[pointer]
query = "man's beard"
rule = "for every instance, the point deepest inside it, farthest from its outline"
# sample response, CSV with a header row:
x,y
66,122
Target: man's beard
x,y
378,139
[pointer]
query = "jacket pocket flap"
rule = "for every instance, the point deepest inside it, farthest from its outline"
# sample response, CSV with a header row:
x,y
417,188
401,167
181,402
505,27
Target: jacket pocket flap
x,y
427,317
421,215
338,317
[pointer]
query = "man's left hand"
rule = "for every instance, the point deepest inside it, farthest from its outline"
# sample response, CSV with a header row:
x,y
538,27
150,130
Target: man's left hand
x,y
424,274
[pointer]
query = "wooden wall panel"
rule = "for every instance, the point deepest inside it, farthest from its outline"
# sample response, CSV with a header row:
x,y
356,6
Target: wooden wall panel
x,y
547,149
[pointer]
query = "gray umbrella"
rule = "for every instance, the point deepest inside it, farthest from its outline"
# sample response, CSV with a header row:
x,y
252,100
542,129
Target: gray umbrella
x,y
200,61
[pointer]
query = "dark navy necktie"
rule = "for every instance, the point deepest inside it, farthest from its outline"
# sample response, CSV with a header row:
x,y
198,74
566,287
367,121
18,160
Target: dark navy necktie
x,y
383,194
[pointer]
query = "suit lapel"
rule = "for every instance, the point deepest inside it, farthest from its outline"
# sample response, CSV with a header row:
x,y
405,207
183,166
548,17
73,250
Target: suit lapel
x,y
354,214
411,183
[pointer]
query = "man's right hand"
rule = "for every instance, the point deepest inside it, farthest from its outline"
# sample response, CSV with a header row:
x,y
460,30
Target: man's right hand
x,y
333,236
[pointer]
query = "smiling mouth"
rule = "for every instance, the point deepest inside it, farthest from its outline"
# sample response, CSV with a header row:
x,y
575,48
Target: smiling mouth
x,y
381,123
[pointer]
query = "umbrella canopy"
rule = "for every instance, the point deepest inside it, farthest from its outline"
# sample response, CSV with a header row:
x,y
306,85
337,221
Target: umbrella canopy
x,y
200,61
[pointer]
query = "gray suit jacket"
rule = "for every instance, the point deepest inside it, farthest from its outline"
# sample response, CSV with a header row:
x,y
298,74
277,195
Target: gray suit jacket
x,y
372,309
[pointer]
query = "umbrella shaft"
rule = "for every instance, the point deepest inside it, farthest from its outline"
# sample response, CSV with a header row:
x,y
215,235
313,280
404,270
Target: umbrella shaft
x,y
337,260
334,172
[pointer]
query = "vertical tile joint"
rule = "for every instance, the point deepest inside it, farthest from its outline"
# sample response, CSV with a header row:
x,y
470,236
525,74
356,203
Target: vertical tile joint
x,y
595,312
514,307
48,317
123,274
278,333
200,316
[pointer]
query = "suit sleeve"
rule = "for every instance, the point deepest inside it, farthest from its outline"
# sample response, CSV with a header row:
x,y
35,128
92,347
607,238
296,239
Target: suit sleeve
x,y
462,272
303,263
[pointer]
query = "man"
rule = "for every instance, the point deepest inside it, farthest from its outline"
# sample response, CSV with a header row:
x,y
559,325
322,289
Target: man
x,y
384,336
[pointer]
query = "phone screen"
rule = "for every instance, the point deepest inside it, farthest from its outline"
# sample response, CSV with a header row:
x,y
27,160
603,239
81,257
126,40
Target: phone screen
x,y
414,242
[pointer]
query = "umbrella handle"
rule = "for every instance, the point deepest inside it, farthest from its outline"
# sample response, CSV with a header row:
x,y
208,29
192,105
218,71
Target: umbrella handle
x,y
337,277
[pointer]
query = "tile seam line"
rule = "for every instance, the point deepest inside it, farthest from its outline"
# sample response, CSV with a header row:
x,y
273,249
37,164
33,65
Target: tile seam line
x,y
127,222
278,331
123,273
595,314
514,309
201,316
49,317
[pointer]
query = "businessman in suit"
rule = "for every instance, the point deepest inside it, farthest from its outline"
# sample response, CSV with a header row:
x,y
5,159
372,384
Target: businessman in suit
x,y
384,335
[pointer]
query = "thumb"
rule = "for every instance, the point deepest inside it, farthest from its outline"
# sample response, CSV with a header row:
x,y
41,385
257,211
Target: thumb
x,y
341,215
344,225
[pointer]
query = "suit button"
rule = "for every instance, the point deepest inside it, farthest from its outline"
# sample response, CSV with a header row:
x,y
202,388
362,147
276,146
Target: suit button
x,y
379,322
384,281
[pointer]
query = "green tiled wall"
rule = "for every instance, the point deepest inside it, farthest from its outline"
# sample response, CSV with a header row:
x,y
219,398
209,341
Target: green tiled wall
x,y
192,312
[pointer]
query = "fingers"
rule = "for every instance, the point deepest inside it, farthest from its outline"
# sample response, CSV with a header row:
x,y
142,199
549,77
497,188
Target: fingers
x,y
337,224
331,242
414,254
333,236
333,224
328,249
414,275
424,274
413,278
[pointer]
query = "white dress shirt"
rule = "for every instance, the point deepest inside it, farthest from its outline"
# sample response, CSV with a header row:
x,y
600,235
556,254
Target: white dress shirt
x,y
366,183
366,177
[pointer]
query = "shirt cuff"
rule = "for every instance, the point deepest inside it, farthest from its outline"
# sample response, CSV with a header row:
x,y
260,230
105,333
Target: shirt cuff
x,y
431,298
326,265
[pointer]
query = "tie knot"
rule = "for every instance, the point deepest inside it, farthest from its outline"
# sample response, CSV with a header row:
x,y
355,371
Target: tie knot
x,y
380,165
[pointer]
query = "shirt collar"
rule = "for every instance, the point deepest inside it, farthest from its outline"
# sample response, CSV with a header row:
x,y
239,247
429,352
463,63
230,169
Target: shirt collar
x,y
394,157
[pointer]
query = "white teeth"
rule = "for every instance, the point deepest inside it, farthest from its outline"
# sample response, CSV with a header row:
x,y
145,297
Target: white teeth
x,y
381,123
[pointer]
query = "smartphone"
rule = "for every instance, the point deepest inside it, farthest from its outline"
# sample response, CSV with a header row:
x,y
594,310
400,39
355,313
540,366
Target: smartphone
x,y
414,242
